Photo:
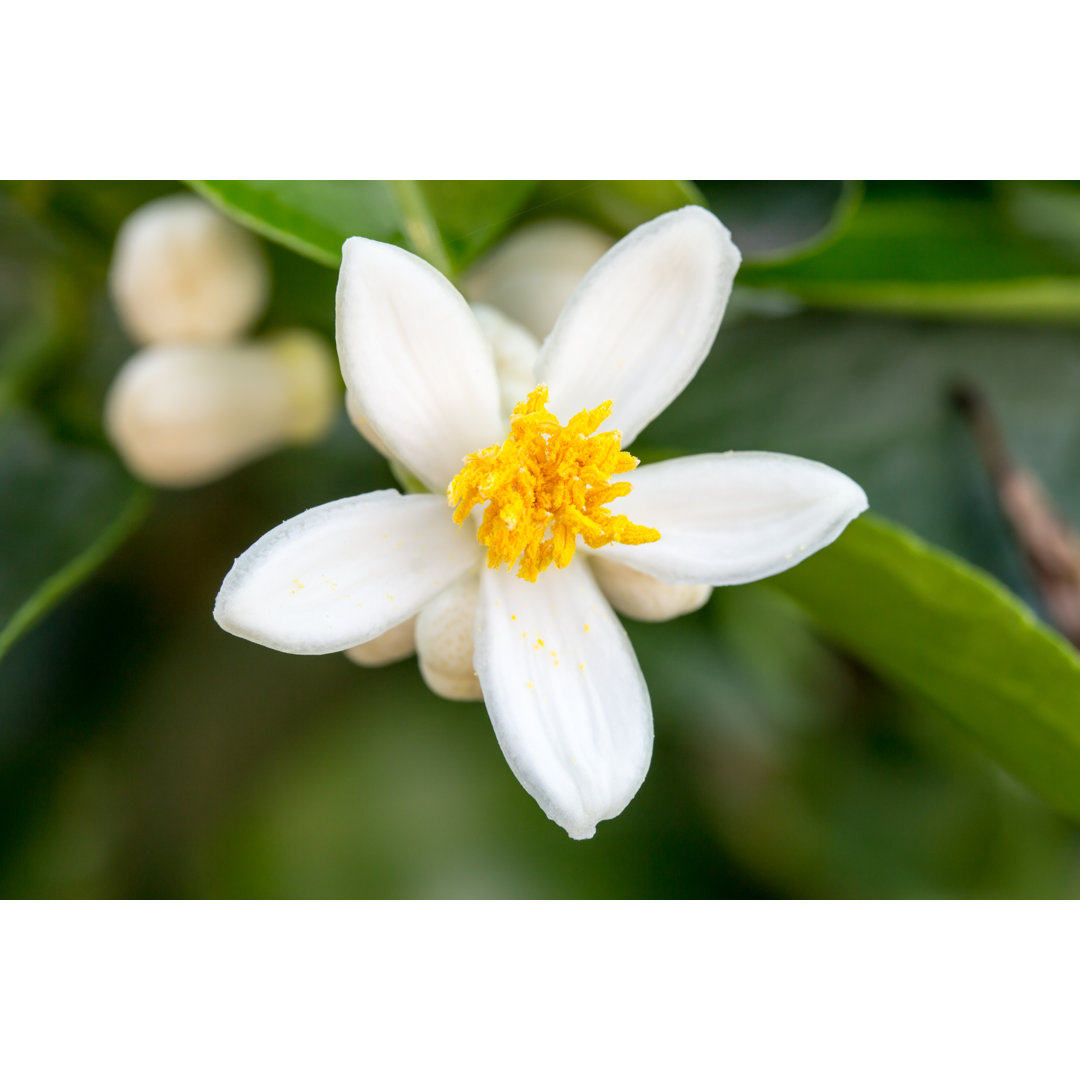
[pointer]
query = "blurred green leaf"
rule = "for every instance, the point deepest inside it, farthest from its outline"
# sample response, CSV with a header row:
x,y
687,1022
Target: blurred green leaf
x,y
615,205
395,792
837,786
930,623
946,250
777,221
825,781
873,805
447,222
1047,210
65,509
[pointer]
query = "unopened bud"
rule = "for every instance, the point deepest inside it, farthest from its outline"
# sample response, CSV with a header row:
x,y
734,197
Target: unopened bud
x,y
181,272
444,641
641,596
397,643
182,415
530,275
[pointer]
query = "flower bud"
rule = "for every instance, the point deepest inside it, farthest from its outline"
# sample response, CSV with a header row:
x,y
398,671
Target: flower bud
x,y
397,643
530,275
444,641
181,415
181,272
641,596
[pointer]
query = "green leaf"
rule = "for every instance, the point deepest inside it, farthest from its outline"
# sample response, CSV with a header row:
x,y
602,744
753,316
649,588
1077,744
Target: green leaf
x,y
65,510
1049,211
831,784
928,622
449,222
946,250
778,221
615,205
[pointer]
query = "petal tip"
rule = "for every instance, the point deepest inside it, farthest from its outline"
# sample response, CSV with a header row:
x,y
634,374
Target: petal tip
x,y
640,323
855,499
707,224
354,246
580,831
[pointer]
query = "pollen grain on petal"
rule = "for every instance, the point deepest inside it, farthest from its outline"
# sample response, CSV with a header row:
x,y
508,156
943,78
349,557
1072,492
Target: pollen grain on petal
x,y
545,486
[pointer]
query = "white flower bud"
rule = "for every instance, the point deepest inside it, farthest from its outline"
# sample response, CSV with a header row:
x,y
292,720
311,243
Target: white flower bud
x,y
641,596
530,275
444,641
397,643
516,351
181,272
181,415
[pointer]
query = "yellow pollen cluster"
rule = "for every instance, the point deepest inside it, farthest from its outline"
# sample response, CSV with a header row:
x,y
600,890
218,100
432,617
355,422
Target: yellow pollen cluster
x,y
546,485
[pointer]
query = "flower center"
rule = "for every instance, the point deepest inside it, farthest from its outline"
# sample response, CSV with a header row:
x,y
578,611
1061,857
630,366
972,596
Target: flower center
x,y
546,485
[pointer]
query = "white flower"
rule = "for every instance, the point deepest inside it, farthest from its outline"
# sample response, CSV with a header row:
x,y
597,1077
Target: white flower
x,y
560,680
181,415
181,272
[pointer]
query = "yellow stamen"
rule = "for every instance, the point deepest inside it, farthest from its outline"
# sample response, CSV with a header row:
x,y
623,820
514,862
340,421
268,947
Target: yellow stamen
x,y
546,485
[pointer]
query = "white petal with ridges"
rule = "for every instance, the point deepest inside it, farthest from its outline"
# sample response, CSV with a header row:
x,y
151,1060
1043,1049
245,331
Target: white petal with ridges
x,y
417,365
725,519
639,325
344,573
565,694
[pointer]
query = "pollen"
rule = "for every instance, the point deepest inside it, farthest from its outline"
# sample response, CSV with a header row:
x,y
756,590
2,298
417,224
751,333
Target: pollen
x,y
545,486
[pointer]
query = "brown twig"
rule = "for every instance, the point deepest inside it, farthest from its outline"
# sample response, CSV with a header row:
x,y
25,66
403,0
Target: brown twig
x,y
1050,546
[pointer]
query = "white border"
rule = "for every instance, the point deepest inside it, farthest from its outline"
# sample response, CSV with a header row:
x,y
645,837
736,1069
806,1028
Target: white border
x,y
522,990
577,88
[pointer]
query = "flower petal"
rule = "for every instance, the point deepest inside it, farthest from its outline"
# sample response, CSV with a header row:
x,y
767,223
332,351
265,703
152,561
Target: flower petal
x,y
725,519
639,325
344,573
417,365
565,694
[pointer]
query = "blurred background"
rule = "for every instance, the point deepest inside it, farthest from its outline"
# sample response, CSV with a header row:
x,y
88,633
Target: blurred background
x,y
146,753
